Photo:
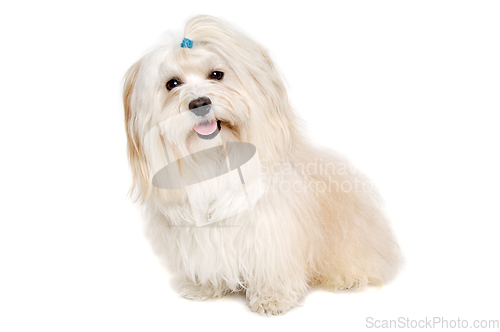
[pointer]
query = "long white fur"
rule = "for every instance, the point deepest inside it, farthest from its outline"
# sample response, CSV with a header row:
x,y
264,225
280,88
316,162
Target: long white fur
x,y
294,236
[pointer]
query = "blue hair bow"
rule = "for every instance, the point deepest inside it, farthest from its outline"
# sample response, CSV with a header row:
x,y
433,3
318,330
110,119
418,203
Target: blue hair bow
x,y
187,43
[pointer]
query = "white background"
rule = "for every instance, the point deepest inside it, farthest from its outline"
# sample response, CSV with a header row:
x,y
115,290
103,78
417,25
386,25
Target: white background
x,y
409,91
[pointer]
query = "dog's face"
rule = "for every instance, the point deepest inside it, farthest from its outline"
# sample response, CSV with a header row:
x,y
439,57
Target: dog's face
x,y
225,87
196,94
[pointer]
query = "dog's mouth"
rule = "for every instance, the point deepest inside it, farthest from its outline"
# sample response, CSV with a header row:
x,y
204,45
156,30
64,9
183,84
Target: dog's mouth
x,y
208,130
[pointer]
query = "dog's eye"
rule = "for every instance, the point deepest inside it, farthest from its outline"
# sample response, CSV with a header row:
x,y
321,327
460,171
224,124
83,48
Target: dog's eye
x,y
173,83
216,75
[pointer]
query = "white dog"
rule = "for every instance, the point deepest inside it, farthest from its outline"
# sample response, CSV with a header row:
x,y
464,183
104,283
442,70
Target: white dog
x,y
236,199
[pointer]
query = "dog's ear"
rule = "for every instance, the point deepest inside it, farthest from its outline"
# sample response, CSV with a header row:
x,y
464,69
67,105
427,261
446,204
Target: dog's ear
x,y
138,162
280,118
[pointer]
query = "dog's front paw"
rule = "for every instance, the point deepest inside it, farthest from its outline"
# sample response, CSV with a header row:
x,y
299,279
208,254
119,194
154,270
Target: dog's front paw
x,y
201,292
270,304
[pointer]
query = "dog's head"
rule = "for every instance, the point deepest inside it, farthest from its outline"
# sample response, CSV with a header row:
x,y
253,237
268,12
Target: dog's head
x,y
224,86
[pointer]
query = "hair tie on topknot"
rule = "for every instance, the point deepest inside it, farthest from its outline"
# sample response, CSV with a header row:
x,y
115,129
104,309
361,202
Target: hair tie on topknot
x,y
187,43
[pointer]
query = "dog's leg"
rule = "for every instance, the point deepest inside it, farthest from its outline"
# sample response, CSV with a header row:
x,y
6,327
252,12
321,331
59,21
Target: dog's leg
x,y
276,278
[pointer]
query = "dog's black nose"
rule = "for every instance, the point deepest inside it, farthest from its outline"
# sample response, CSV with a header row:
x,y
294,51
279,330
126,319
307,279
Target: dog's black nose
x,y
200,106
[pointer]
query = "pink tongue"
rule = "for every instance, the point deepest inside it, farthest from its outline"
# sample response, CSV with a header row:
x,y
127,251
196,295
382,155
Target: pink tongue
x,y
206,128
